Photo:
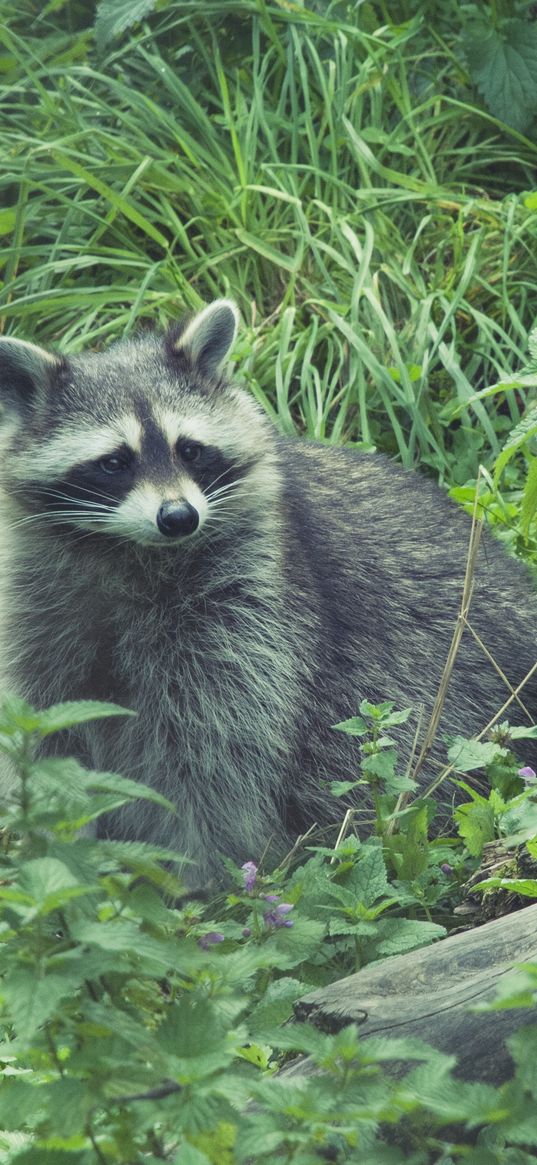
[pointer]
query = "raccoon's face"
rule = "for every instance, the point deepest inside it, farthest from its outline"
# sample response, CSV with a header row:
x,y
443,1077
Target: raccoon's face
x,y
146,442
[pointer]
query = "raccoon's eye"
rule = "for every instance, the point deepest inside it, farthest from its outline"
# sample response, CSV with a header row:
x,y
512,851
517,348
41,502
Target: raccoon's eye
x,y
189,450
115,463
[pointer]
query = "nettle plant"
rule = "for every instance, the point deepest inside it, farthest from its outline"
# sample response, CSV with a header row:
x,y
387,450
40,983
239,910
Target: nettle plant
x,y
141,1024
499,42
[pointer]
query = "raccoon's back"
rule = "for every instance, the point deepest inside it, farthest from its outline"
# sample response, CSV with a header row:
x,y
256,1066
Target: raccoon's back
x,y
384,552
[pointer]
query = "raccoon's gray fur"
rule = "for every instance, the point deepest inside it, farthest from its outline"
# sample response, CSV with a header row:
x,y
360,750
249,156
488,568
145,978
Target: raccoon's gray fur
x,y
167,550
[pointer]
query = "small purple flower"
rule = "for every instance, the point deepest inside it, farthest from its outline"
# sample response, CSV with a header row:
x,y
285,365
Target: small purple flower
x,y
246,932
528,774
271,918
208,940
446,868
250,875
277,917
271,897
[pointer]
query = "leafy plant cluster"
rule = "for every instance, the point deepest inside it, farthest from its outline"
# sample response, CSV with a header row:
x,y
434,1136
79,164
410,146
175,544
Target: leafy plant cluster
x,y
142,1025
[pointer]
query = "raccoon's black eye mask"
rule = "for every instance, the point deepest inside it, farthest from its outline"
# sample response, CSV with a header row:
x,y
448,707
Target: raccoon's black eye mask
x,y
115,463
190,451
104,483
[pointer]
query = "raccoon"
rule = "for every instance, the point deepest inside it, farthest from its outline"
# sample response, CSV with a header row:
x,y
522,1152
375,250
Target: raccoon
x,y
166,549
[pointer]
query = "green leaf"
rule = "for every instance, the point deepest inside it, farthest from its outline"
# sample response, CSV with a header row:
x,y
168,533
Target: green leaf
x,y
523,1048
189,1155
520,435
386,1048
305,1038
267,251
35,1156
147,954
520,821
68,1103
467,755
341,788
503,64
532,338
17,714
127,790
381,765
526,886
122,205
353,727
31,999
74,712
50,884
257,1054
368,880
21,1104
8,218
394,936
194,1032
476,823
114,1021
114,17
408,849
516,989
523,732
293,946
62,776
394,718
529,498
275,1008
443,1095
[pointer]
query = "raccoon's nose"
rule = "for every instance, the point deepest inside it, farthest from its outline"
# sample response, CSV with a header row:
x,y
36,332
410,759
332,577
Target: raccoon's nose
x,y
175,519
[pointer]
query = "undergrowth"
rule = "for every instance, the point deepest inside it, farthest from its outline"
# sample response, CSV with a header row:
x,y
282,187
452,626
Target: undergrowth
x,y
143,1025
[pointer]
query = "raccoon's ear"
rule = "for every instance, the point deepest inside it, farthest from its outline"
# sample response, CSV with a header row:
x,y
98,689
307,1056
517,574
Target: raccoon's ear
x,y
208,337
25,372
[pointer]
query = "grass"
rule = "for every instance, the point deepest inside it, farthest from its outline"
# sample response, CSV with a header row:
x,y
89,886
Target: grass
x,y
336,180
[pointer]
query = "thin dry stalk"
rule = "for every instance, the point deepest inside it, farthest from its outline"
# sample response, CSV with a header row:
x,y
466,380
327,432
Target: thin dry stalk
x,y
500,672
299,841
512,697
345,824
446,772
475,537
462,623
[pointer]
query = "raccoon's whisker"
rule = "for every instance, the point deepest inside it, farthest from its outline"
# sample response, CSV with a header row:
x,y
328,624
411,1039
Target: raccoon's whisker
x,y
54,493
220,509
217,520
57,516
223,494
227,485
233,465
83,489
71,509
221,501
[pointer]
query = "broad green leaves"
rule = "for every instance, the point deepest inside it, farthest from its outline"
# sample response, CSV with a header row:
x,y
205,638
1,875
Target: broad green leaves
x,y
114,17
124,1026
503,64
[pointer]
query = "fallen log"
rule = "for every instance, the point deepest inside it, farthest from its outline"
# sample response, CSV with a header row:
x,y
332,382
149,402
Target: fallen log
x,y
428,994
